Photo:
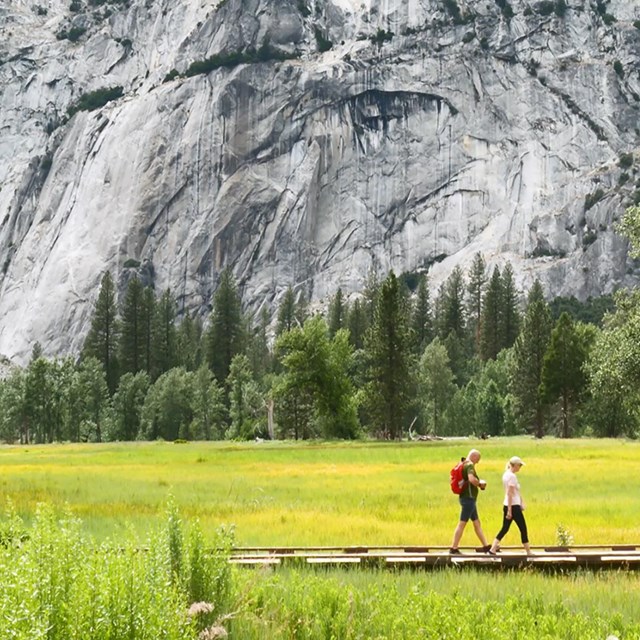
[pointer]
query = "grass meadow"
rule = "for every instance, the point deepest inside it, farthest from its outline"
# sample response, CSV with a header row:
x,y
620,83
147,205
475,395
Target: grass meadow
x,y
331,493
112,496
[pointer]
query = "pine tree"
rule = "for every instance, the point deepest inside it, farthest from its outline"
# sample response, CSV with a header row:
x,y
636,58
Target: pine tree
x,y
164,343
131,347
451,306
337,313
387,345
436,384
475,290
422,317
286,312
357,324
492,306
258,350
529,350
189,341
147,319
510,316
102,340
226,334
562,368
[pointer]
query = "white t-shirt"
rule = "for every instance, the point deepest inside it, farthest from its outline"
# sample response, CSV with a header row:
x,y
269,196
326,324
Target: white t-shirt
x,y
509,480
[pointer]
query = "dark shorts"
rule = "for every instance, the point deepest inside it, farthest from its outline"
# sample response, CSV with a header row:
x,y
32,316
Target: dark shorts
x,y
468,510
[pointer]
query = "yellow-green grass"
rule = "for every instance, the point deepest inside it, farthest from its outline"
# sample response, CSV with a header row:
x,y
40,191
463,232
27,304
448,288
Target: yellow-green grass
x,y
332,493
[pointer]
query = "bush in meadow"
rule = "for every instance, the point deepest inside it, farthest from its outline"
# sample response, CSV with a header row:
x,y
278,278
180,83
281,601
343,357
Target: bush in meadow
x,y
56,583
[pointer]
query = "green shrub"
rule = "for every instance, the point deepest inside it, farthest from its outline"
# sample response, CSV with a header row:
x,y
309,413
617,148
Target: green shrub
x,y
591,198
625,160
618,68
57,584
73,35
95,100
381,36
322,42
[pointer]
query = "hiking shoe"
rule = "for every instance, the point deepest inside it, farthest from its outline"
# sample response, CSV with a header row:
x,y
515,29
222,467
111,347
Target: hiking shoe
x,y
492,553
455,552
487,549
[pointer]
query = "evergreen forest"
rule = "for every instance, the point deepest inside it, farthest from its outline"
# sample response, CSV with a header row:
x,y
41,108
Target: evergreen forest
x,y
476,357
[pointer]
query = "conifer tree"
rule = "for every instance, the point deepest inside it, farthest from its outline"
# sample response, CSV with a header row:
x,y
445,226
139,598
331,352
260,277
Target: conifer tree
x,y
102,340
164,343
226,333
510,315
357,324
529,350
189,341
562,368
492,307
436,385
147,320
387,346
451,306
258,351
475,290
132,343
286,312
337,313
422,317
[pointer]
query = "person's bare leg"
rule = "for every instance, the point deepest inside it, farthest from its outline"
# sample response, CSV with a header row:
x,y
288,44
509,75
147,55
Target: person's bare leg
x,y
527,548
457,534
495,545
478,529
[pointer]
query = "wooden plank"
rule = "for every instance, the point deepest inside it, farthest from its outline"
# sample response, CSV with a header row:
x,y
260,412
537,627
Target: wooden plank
x,y
333,560
405,559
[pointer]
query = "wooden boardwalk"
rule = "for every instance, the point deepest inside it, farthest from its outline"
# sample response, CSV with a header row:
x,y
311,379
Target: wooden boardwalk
x,y
551,557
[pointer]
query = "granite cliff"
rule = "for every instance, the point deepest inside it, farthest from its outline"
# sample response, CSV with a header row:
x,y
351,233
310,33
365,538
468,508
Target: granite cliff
x,y
304,142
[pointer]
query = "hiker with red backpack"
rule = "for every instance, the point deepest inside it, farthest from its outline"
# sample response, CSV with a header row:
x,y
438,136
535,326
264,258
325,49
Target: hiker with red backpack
x,y
466,483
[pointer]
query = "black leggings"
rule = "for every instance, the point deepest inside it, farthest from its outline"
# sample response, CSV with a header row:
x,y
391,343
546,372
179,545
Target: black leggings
x,y
518,518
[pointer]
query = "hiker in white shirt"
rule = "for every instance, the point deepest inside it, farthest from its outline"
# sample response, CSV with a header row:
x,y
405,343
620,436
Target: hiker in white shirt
x,y
513,506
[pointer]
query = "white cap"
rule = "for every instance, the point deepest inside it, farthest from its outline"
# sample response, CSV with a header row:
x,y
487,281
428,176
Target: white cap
x,y
516,460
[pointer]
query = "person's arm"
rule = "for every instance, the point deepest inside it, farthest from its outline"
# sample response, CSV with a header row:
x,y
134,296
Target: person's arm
x,y
473,480
511,492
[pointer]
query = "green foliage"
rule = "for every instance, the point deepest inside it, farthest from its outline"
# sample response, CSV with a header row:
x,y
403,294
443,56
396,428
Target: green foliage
x,y
337,313
323,43
134,353
592,310
591,198
436,385
545,7
560,8
226,335
618,68
315,377
303,8
265,53
381,36
388,353
73,35
352,606
128,402
452,8
246,404
505,9
629,226
562,369
529,350
95,100
64,588
102,340
625,161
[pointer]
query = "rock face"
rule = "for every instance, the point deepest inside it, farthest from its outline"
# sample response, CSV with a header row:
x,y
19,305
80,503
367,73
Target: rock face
x,y
350,135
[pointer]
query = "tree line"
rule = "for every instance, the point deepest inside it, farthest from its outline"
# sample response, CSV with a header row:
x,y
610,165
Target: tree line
x,y
478,357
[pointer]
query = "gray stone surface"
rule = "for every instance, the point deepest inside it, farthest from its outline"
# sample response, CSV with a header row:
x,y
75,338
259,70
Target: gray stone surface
x,y
413,154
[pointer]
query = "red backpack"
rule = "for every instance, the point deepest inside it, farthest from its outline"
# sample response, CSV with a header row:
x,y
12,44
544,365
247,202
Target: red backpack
x,y
457,481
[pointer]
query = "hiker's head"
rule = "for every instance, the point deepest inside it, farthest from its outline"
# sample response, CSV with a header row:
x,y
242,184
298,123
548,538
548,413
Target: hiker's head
x,y
515,463
474,456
